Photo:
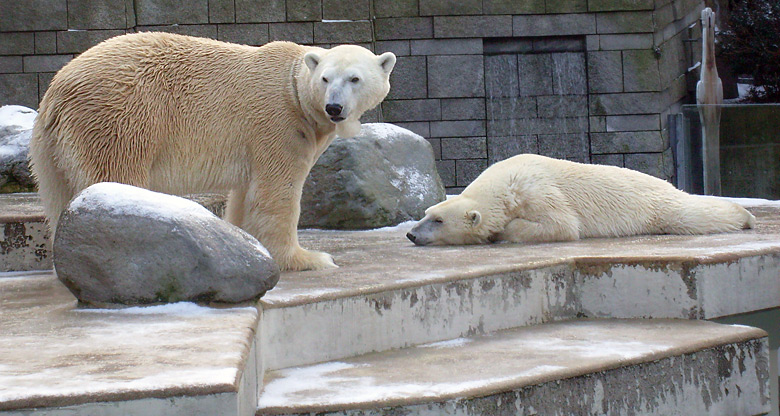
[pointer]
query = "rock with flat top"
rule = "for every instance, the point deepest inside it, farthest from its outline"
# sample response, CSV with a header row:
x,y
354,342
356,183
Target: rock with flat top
x,y
15,131
384,176
118,244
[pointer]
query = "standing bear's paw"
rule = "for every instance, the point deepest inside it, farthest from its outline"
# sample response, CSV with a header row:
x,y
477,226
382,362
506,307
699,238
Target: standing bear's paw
x,y
303,259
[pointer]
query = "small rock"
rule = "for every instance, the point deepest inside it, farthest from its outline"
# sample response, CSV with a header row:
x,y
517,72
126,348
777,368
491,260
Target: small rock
x,y
15,131
384,176
119,244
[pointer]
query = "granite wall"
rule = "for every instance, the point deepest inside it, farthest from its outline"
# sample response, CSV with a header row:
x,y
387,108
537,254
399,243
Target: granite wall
x,y
588,80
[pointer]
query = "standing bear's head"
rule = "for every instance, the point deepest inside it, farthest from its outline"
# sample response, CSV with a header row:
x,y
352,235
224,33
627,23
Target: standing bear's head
x,y
455,221
347,81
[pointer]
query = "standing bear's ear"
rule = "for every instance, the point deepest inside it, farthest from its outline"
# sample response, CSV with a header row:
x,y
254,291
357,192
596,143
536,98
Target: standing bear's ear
x,y
312,59
387,62
475,217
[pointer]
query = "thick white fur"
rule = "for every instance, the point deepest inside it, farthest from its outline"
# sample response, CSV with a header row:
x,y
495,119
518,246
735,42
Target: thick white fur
x,y
531,198
179,115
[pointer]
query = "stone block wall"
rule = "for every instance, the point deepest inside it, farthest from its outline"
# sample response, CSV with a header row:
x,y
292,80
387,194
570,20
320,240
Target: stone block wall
x,y
590,81
482,80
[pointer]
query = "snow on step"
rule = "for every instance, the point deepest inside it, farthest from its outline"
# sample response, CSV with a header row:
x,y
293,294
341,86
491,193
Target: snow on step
x,y
692,367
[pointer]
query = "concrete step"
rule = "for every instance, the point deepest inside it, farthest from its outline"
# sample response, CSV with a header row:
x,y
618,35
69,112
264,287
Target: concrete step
x,y
389,293
598,367
180,359
25,243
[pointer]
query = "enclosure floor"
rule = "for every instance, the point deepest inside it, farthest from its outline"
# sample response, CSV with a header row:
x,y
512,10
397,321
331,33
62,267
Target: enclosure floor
x,y
54,353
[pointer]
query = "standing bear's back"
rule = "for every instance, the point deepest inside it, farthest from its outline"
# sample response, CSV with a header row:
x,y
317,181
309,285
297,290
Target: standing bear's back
x,y
135,106
182,91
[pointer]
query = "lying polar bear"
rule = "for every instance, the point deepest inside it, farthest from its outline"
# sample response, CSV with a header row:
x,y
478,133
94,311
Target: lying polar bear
x,y
531,198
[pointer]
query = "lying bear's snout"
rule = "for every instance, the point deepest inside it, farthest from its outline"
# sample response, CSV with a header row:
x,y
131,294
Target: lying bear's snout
x,y
416,239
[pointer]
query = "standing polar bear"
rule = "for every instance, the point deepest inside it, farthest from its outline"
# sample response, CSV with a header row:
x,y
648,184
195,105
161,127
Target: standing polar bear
x,y
180,114
531,198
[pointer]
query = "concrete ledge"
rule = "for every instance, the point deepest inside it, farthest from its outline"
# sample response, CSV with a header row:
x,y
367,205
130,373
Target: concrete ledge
x,y
71,360
25,243
390,294
609,367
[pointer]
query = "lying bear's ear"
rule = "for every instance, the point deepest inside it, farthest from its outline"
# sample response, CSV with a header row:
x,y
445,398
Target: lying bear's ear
x,y
387,62
475,217
312,60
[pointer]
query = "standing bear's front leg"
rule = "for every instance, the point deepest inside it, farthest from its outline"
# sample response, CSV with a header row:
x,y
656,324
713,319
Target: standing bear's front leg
x,y
270,211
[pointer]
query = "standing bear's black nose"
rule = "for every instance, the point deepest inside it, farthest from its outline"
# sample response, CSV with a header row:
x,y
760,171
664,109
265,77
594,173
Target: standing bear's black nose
x,y
411,237
333,109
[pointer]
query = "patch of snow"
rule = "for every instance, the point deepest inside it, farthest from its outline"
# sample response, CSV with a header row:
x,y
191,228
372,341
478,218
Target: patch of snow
x,y
742,326
337,21
18,116
404,226
296,296
334,383
15,146
295,379
411,182
596,348
388,130
178,308
124,199
453,343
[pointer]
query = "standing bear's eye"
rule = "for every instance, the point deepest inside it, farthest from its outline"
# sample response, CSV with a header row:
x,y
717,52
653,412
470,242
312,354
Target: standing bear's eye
x,y
354,80
438,220
325,80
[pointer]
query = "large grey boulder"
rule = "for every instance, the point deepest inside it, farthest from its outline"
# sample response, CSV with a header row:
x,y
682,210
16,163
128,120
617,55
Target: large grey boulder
x,y
118,244
15,131
384,176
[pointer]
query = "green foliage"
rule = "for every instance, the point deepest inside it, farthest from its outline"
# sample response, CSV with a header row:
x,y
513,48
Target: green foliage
x,y
752,45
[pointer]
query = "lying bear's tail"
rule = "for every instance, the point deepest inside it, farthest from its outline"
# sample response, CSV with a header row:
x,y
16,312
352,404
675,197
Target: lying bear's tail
x,y
708,215
53,187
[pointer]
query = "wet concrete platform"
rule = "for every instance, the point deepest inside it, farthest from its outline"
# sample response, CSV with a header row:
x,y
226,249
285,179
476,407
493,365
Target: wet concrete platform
x,y
388,294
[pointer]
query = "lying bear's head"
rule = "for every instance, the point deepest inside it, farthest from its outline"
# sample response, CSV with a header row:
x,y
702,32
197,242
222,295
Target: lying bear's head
x,y
347,81
456,221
